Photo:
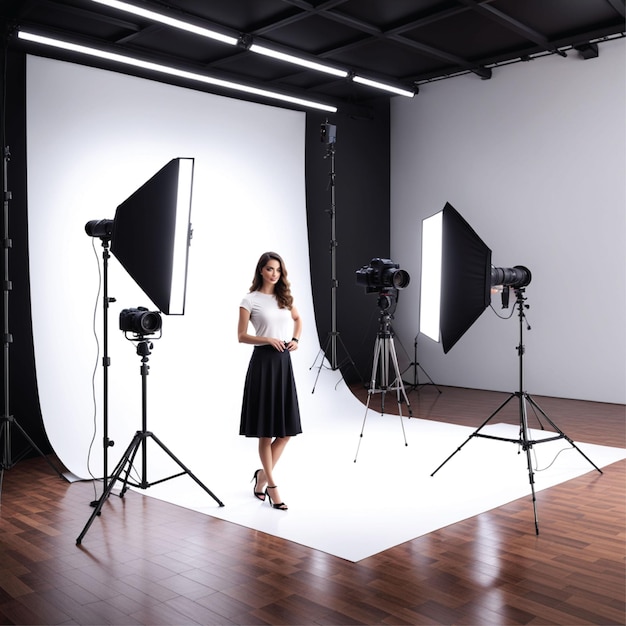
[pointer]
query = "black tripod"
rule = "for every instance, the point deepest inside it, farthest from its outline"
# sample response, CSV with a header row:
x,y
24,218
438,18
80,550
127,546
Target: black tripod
x,y
333,341
524,400
139,441
8,421
384,357
415,384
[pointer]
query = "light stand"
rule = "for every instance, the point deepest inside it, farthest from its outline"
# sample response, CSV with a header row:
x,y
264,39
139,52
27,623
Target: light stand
x,y
329,136
8,421
106,362
415,384
524,399
144,349
384,357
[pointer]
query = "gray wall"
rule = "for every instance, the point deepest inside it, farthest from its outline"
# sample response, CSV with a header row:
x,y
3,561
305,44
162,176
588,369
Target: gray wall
x,y
534,159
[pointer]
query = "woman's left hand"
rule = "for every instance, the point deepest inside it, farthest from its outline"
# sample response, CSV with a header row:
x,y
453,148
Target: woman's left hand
x,y
292,345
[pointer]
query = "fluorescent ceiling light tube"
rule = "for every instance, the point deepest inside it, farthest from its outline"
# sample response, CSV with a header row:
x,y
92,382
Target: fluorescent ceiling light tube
x,y
383,86
164,69
169,21
233,41
290,58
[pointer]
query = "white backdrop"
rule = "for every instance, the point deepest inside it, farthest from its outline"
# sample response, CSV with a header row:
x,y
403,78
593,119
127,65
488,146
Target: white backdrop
x,y
94,137
535,160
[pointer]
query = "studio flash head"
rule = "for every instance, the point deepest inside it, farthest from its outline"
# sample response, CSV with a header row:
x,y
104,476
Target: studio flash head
x,y
140,321
99,228
515,277
382,274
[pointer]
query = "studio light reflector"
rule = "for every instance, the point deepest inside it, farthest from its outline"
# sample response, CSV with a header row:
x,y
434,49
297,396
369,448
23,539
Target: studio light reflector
x,y
430,301
456,277
151,235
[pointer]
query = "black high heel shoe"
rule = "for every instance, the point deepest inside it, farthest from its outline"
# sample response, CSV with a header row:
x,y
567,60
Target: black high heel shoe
x,y
281,506
257,494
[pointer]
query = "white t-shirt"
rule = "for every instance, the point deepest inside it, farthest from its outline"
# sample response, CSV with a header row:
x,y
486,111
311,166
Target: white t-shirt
x,y
268,320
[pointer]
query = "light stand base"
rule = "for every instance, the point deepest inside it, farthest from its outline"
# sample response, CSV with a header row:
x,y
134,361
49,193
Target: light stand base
x,y
333,339
139,442
126,462
525,400
8,460
415,385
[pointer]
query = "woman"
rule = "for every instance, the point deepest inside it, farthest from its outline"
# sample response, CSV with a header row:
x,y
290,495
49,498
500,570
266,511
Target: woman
x,y
270,408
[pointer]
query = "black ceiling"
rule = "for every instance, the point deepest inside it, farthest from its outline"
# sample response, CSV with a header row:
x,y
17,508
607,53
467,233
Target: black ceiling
x,y
404,42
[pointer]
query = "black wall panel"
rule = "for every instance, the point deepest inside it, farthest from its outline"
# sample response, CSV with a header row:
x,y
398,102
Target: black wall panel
x,y
361,180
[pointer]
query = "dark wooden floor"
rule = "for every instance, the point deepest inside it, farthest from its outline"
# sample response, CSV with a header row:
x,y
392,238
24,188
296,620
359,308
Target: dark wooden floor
x,y
148,562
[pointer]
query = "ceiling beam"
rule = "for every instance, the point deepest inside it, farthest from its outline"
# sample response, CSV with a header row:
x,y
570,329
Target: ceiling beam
x,y
618,5
511,23
392,34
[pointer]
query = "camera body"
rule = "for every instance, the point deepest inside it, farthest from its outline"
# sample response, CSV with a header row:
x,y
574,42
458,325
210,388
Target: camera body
x,y
140,321
382,274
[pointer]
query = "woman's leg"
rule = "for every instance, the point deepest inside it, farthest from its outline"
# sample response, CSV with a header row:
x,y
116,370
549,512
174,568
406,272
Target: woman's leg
x,y
269,453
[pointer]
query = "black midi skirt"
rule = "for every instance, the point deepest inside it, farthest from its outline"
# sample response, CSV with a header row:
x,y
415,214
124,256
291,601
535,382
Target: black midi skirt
x,y
270,401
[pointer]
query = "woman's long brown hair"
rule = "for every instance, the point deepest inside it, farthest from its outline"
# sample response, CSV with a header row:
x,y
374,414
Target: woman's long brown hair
x,y
282,289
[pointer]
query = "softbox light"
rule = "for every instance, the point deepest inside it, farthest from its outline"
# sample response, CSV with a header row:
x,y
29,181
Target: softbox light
x,y
456,277
151,232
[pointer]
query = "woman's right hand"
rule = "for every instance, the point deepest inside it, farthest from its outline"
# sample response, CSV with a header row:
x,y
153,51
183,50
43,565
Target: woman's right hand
x,y
278,344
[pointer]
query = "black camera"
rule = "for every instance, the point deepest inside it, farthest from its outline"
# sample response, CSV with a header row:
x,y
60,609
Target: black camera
x,y
382,274
140,321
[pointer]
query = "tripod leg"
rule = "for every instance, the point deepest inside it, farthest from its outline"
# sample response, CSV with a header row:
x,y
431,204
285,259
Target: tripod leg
x,y
141,441
427,376
398,381
183,467
348,359
558,430
370,392
130,451
7,462
526,446
475,433
399,385
321,353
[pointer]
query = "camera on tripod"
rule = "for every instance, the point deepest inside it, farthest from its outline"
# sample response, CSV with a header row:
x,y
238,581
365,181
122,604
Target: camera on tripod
x,y
140,322
384,277
382,274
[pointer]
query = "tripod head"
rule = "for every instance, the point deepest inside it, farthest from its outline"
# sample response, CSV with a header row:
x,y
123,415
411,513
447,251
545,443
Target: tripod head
x,y
144,348
388,301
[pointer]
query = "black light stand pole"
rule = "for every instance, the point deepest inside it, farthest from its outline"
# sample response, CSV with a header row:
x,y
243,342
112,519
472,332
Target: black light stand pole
x,y
106,361
524,399
329,136
7,421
